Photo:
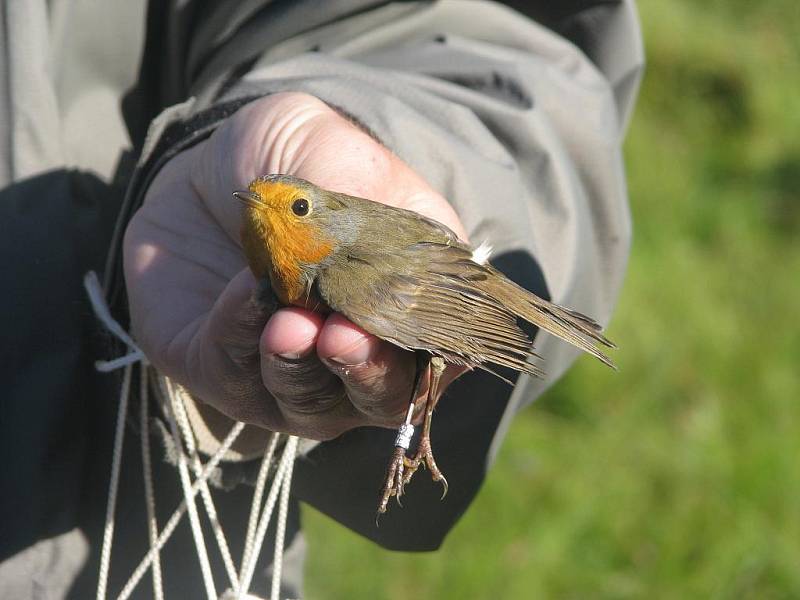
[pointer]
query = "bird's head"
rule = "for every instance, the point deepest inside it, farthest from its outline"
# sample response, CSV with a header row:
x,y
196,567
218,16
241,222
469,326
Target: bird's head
x,y
290,222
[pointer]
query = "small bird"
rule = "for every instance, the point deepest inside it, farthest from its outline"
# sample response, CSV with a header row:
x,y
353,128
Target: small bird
x,y
404,278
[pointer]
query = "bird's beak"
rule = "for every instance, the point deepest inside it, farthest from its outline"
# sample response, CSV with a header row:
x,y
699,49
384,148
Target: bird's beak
x,y
248,198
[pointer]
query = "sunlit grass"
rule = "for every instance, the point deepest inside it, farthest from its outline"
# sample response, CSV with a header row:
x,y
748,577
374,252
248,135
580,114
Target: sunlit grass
x,y
678,477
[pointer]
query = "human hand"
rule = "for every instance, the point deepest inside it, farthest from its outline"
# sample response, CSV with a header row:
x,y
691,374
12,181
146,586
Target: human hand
x,y
191,293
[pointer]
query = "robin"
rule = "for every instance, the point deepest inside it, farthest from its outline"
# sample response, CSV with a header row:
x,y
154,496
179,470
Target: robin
x,y
404,278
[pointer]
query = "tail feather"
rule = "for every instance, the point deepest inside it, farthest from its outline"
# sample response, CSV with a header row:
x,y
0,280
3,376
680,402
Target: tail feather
x,y
584,324
571,326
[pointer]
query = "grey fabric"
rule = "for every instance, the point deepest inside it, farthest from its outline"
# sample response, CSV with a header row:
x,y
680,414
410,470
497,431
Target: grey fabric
x,y
522,133
64,66
518,123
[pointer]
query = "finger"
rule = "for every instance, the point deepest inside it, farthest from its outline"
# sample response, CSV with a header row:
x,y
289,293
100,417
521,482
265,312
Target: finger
x,y
291,333
311,398
237,319
219,360
377,375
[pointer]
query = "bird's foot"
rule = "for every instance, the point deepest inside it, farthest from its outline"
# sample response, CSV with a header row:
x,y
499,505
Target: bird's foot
x,y
395,479
395,472
424,457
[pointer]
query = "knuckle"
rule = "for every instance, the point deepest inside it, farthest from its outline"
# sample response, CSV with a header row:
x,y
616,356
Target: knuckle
x,y
302,387
311,402
323,427
379,391
379,400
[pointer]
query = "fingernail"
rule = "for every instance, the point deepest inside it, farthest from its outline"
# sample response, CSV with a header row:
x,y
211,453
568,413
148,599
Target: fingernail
x,y
300,351
357,354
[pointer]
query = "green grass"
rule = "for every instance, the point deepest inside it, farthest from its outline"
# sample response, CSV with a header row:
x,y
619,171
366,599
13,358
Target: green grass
x,y
678,477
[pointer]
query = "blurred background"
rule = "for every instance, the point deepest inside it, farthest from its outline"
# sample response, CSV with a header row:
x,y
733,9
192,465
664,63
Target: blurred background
x,y
679,476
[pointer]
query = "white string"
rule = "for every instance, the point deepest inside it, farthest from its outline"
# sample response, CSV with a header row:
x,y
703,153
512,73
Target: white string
x,y
209,467
177,397
93,289
113,484
283,517
194,518
179,420
106,366
248,569
95,292
149,495
258,495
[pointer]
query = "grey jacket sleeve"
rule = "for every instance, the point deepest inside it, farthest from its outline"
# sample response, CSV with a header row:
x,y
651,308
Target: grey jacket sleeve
x,y
519,124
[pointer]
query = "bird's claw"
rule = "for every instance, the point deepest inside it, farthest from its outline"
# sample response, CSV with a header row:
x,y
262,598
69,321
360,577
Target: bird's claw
x,y
395,479
401,469
424,457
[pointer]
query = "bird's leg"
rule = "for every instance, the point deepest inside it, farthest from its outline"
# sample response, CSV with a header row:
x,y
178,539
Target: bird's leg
x,y
424,454
395,480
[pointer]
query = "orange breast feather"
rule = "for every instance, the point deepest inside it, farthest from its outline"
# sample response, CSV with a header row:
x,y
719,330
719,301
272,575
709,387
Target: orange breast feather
x,y
291,245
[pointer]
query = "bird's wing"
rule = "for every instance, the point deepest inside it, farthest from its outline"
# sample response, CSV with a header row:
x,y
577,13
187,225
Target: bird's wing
x,y
426,297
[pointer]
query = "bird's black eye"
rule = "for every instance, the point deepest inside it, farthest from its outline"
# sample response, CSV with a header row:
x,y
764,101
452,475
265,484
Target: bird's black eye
x,y
300,207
